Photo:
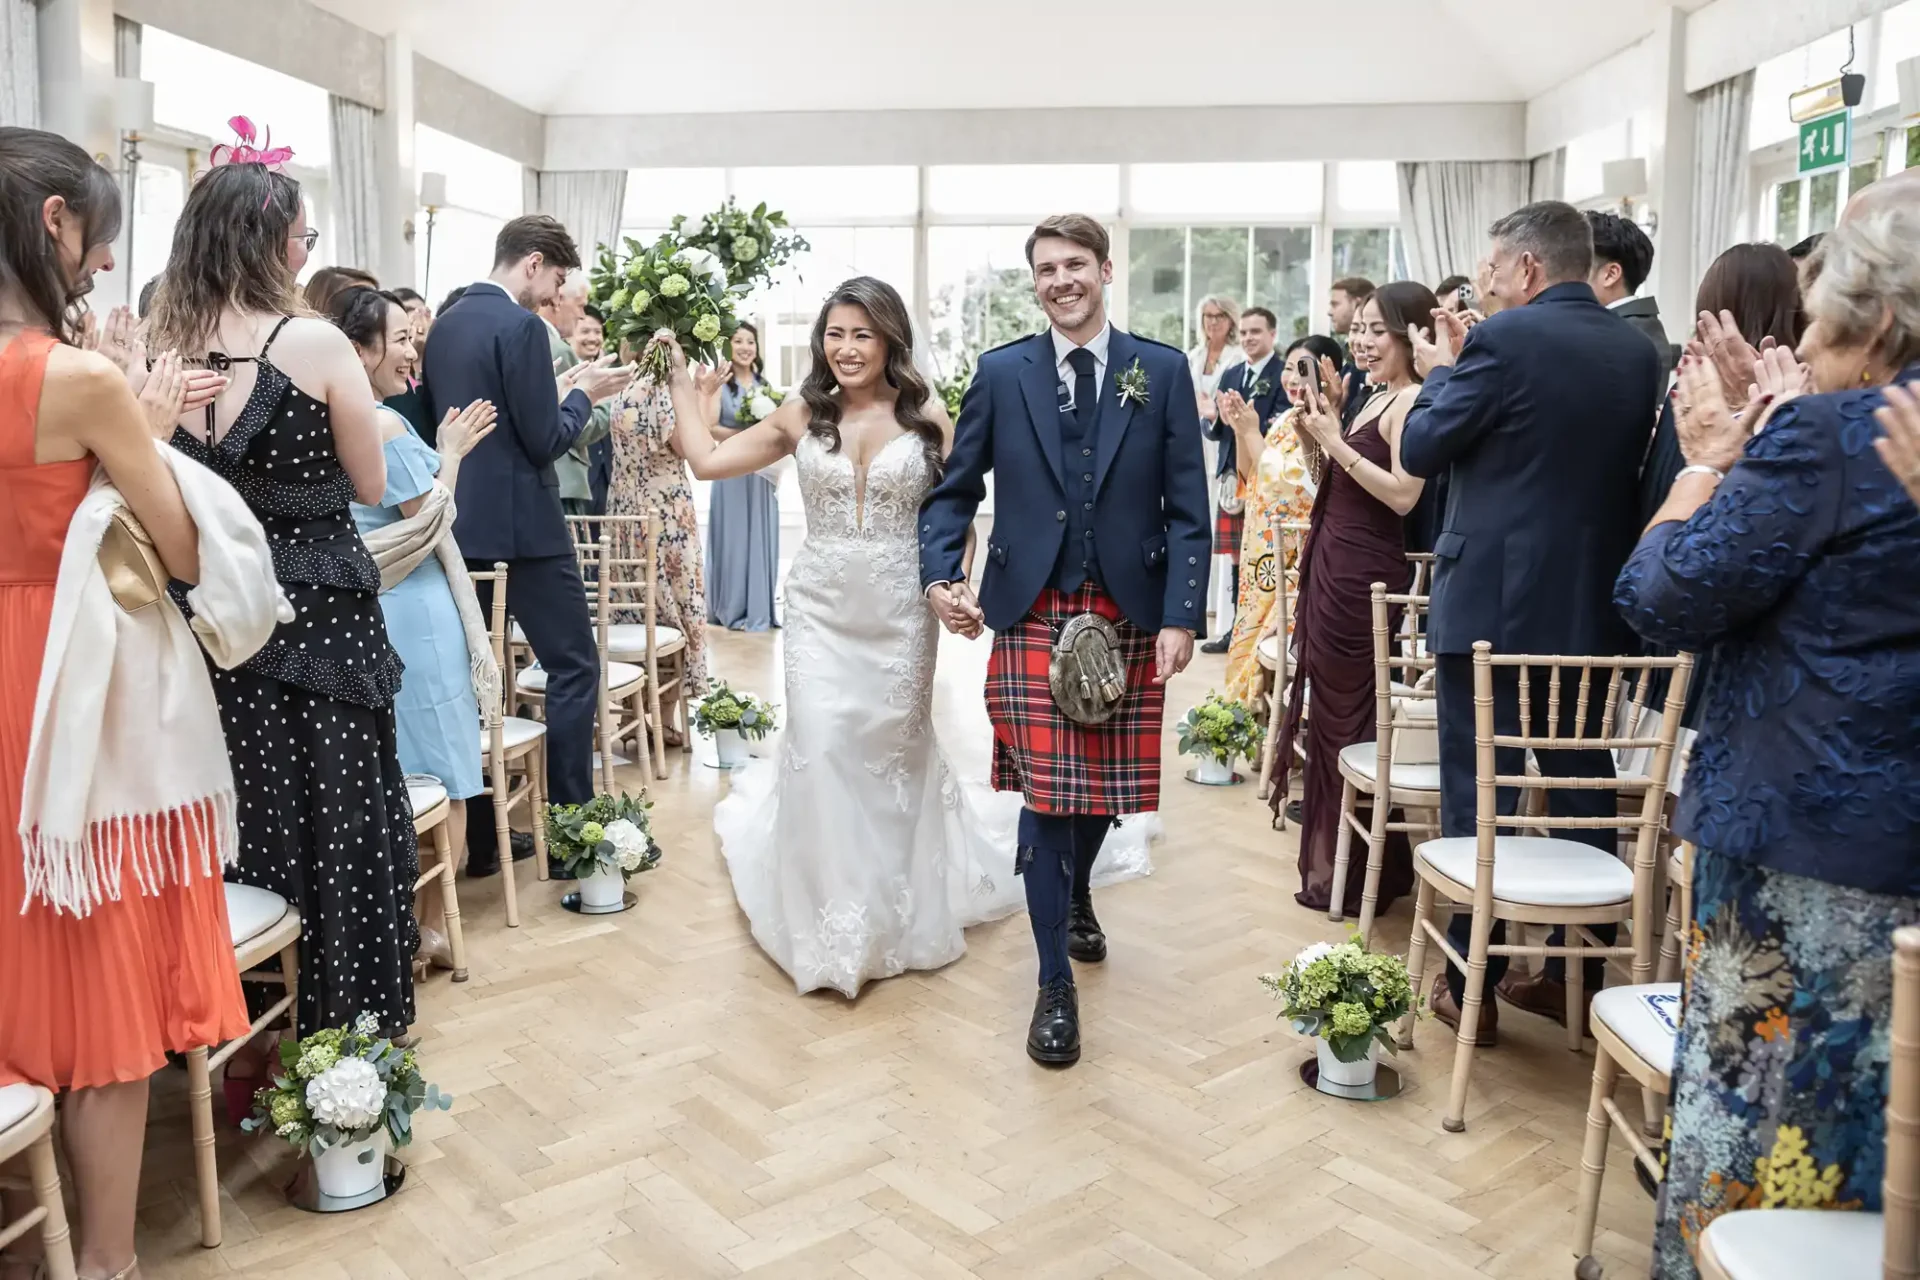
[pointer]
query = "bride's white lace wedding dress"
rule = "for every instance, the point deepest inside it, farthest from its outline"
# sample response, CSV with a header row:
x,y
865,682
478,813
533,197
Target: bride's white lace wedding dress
x,y
856,851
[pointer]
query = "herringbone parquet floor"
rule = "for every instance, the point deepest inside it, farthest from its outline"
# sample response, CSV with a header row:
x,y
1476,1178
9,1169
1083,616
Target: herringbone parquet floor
x,y
646,1096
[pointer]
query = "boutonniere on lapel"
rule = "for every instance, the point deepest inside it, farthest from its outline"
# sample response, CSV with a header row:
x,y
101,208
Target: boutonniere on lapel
x,y
1132,384
1259,388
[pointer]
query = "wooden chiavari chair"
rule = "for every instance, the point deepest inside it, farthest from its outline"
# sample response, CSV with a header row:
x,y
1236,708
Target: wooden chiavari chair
x,y
428,799
633,583
1274,653
1526,880
26,1126
1405,751
508,745
1791,1244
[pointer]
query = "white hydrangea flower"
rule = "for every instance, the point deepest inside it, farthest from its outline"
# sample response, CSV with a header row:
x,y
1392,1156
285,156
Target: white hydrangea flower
x,y
1311,953
701,263
629,843
349,1095
762,406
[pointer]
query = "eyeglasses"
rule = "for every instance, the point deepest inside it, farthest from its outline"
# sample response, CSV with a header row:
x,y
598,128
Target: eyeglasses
x,y
309,238
1214,315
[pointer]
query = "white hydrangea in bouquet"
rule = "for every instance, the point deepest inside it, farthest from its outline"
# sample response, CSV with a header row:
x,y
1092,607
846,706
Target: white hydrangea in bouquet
x,y
343,1085
608,833
1344,994
751,244
667,285
758,406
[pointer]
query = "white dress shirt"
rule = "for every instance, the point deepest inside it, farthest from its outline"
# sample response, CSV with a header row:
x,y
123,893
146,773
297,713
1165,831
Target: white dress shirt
x,y
1063,346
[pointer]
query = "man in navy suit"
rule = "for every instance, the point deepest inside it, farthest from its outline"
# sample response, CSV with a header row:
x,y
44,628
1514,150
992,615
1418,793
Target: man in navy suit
x,y
1542,417
1093,438
1257,381
494,347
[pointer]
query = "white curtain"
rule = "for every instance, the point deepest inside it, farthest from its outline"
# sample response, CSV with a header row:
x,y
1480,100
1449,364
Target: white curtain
x,y
19,64
588,202
1720,160
1447,206
126,47
1549,176
357,234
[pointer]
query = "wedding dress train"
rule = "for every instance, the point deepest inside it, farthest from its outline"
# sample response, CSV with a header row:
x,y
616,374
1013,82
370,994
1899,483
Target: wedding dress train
x,y
856,851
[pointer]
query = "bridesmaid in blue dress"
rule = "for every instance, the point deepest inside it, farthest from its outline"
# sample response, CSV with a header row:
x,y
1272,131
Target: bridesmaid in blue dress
x,y
436,711
743,517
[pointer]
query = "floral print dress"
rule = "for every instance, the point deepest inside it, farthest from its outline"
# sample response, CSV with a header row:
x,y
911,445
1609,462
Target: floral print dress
x,y
649,476
1280,490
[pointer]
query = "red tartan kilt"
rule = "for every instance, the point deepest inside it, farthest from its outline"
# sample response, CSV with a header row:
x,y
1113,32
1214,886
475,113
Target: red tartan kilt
x,y
1060,765
1227,531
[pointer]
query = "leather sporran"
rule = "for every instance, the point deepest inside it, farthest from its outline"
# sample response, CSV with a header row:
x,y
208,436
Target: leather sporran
x,y
131,563
1088,672
1227,494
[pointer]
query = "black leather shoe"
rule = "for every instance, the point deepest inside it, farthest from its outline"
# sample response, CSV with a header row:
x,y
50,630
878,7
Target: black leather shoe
x,y
481,865
1217,646
1053,1038
557,870
1085,939
1295,813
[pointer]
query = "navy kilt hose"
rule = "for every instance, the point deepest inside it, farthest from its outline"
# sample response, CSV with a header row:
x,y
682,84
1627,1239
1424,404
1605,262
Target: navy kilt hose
x,y
1060,765
1227,532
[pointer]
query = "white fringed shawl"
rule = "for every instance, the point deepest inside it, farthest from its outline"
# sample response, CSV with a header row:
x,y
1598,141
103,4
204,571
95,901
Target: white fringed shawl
x,y
128,766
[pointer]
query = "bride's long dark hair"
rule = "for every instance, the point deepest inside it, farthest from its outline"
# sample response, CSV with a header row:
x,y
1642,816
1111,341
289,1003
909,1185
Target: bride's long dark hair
x,y
889,315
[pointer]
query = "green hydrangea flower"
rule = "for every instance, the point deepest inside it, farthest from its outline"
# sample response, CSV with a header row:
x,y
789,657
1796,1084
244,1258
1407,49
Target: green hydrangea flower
x,y
1350,1019
706,328
640,301
745,248
634,267
285,1110
314,1059
592,833
674,285
618,300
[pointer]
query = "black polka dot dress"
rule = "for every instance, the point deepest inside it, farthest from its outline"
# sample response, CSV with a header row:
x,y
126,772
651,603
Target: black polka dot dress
x,y
324,818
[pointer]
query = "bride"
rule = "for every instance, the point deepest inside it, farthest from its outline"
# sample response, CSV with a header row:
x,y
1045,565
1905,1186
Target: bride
x,y
857,853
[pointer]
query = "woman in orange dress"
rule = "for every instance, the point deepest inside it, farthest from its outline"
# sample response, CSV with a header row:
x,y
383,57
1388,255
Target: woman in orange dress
x,y
89,1005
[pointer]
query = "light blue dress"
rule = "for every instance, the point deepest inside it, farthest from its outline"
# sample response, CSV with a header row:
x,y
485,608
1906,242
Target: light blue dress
x,y
743,541
436,713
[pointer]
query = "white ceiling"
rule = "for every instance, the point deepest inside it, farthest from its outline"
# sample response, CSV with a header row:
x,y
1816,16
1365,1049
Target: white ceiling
x,y
609,57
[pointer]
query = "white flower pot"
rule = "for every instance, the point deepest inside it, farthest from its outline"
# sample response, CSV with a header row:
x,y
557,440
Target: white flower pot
x,y
728,748
1352,1075
602,890
352,1169
1211,772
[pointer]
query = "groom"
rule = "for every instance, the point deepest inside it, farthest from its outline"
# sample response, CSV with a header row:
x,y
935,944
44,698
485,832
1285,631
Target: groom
x,y
1093,436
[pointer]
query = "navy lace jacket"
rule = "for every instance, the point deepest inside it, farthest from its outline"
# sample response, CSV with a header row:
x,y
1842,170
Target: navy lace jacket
x,y
1802,576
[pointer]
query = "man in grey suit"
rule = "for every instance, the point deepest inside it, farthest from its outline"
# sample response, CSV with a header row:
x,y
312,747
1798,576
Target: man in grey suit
x,y
1622,261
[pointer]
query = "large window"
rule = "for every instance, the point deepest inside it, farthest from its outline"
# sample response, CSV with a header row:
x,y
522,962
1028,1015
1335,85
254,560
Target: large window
x,y
1171,270
197,89
484,190
786,311
979,291
985,192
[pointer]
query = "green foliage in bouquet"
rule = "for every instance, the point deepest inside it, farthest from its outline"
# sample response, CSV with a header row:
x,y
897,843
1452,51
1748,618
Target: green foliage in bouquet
x,y
667,285
607,833
761,404
750,245
342,1085
953,389
724,708
1345,994
1222,728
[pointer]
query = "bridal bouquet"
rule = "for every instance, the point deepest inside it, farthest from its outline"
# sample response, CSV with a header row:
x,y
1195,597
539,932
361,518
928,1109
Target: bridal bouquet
x,y
604,835
1221,729
341,1086
1343,994
748,244
669,285
758,406
723,708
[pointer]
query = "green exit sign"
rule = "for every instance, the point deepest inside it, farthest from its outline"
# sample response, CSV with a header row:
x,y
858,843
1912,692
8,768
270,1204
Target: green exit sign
x,y
1825,142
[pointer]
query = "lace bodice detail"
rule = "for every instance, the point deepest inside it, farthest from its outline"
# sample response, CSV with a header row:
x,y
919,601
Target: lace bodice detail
x,y
885,508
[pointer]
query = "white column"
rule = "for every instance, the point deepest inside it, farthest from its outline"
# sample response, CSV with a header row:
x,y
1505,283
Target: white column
x,y
400,216
76,74
1670,164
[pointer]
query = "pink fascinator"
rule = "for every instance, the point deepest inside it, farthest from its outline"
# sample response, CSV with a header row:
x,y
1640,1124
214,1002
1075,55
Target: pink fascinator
x,y
244,152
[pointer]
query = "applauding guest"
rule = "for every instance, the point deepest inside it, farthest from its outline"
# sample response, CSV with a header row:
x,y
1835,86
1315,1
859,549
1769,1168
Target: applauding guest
x,y
1541,413
1256,381
743,512
1788,552
563,313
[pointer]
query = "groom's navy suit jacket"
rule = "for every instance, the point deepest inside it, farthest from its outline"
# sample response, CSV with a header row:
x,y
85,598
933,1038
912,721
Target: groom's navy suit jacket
x,y
1148,516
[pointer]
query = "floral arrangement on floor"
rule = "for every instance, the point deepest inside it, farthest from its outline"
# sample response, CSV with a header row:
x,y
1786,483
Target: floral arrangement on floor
x,y
727,708
343,1085
954,389
668,285
607,833
758,406
1222,728
749,245
1344,994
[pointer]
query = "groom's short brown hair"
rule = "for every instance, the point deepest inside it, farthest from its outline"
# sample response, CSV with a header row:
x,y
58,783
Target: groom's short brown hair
x,y
1089,233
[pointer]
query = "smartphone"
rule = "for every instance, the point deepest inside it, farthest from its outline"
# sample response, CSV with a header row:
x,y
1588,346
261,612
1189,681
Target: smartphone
x,y
1304,369
1467,294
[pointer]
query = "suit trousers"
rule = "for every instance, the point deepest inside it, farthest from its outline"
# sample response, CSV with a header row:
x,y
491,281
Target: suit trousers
x,y
545,596
1459,790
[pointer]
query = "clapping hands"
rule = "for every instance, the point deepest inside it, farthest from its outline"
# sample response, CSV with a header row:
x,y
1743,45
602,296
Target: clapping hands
x,y
1439,351
1237,413
600,380
1900,447
170,391
1709,434
464,428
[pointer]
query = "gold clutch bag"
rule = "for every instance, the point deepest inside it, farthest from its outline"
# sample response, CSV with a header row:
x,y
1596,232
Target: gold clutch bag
x,y
131,563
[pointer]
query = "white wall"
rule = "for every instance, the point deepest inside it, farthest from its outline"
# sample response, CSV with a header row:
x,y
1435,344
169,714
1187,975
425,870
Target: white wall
x,y
1731,36
1607,92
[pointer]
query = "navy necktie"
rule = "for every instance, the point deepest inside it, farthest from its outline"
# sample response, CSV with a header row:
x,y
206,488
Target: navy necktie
x,y
1084,396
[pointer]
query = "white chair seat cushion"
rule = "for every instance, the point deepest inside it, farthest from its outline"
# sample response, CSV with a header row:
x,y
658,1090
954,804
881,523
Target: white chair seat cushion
x,y
17,1102
251,912
1536,870
424,794
1793,1244
1362,759
1267,650
1646,1017
628,640
516,731
619,675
